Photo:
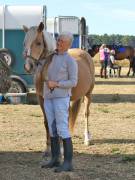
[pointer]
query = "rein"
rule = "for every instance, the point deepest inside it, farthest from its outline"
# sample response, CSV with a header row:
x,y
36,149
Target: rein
x,y
36,60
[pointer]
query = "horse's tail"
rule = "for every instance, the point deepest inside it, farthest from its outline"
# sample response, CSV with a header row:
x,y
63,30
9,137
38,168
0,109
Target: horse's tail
x,y
73,112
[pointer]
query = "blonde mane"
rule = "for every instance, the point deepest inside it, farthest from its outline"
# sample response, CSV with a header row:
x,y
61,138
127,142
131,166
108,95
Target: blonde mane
x,y
48,37
50,41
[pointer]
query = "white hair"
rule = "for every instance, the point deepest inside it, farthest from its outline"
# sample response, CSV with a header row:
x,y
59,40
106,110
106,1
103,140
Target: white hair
x,y
66,35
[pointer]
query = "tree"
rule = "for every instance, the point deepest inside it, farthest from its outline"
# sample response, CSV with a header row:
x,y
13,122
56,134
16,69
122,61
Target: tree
x,y
115,39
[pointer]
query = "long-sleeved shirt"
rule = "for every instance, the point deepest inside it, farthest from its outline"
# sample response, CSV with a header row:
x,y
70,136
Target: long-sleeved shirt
x,y
64,70
101,54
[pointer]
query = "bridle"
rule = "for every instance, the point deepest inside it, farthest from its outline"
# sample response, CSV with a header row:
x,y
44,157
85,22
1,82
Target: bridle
x,y
43,56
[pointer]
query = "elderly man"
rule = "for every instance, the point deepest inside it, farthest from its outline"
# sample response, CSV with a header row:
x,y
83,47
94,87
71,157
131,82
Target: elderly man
x,y
62,76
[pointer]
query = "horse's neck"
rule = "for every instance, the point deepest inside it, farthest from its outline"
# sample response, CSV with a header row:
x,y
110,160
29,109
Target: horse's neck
x,y
45,66
50,41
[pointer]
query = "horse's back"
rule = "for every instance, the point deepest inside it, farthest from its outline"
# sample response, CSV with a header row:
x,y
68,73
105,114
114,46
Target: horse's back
x,y
124,52
86,75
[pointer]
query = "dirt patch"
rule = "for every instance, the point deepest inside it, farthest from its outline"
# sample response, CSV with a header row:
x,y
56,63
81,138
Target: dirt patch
x,y
111,155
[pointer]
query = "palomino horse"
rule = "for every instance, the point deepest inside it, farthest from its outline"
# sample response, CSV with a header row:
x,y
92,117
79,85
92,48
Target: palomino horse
x,y
121,52
37,50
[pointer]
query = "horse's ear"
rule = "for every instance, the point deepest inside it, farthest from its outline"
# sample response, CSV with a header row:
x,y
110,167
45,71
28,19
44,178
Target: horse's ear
x,y
25,28
40,27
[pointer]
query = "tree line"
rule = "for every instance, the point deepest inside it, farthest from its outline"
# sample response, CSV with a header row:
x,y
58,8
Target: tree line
x,y
114,39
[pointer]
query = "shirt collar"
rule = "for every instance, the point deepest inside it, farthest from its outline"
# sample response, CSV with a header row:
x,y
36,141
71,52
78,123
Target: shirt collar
x,y
56,52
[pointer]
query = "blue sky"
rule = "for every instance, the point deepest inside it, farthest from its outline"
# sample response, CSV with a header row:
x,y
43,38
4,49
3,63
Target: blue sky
x,y
102,16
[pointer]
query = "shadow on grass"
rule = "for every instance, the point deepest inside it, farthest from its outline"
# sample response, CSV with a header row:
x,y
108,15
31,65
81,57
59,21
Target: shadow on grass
x,y
113,141
106,82
113,98
25,166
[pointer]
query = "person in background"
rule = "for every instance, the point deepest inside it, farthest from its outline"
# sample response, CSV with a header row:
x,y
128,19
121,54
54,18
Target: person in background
x,y
112,63
103,56
107,55
62,77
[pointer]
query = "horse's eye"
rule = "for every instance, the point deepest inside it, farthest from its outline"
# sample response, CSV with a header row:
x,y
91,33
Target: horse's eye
x,y
38,44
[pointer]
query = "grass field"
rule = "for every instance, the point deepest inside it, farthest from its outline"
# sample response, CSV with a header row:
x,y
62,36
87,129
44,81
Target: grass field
x,y
111,155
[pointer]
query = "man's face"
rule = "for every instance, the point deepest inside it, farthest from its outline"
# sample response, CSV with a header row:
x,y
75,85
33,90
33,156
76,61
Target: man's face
x,y
63,44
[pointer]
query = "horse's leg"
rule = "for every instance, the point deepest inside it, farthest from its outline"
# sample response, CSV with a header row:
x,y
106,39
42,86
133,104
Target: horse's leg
x,y
114,72
130,65
41,102
87,134
119,71
110,72
128,72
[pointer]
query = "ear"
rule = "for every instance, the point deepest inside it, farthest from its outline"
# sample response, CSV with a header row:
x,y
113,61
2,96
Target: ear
x,y
25,28
40,27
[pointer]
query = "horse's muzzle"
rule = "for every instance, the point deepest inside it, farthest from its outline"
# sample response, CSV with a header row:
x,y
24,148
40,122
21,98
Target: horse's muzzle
x,y
27,68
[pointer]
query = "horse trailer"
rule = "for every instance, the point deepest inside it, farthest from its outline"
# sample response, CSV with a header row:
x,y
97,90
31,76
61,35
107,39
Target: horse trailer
x,y
73,24
12,19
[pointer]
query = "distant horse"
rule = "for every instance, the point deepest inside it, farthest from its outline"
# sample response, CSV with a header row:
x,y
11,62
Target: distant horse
x,y
121,52
94,50
38,52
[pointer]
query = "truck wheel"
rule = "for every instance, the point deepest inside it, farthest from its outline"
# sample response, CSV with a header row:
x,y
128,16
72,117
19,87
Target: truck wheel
x,y
16,87
7,56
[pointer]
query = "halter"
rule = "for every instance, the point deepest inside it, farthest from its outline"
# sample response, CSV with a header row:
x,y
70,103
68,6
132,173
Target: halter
x,y
48,53
36,61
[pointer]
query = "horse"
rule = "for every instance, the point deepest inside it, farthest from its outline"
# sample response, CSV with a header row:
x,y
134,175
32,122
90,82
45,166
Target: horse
x,y
38,51
121,52
94,50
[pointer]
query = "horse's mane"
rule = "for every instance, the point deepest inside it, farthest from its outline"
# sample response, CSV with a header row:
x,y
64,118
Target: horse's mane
x,y
30,35
50,41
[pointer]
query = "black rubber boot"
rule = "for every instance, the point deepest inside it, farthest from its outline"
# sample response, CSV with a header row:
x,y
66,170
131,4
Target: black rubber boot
x,y
68,155
105,73
55,153
101,72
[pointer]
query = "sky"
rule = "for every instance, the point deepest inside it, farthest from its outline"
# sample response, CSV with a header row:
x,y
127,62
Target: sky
x,y
102,16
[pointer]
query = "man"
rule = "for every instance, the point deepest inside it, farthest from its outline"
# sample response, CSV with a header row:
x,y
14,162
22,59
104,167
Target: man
x,y
62,76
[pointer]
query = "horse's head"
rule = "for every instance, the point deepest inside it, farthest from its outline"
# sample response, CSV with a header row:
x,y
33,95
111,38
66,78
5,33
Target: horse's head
x,y
37,45
94,50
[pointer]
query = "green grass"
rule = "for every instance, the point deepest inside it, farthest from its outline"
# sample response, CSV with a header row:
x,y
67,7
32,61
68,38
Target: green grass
x,y
115,151
128,158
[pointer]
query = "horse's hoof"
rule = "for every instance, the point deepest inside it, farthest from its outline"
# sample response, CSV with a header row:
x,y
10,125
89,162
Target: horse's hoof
x,y
87,138
87,143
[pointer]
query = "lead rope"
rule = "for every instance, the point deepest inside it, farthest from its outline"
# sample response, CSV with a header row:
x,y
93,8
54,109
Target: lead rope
x,y
45,68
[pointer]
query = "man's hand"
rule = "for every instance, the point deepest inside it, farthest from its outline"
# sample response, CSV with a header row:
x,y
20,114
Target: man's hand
x,y
52,84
